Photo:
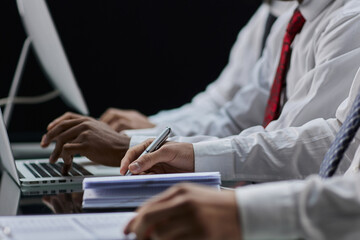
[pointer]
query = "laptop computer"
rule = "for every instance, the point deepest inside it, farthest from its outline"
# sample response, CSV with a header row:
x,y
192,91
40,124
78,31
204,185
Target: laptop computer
x,y
39,172
9,196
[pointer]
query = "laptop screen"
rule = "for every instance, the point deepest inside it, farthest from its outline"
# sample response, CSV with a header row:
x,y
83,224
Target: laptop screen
x,y
7,159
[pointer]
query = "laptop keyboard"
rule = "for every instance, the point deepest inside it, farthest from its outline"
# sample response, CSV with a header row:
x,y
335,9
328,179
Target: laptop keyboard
x,y
54,170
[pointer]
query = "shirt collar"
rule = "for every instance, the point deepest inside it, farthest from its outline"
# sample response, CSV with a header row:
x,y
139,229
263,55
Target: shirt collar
x,y
279,7
310,9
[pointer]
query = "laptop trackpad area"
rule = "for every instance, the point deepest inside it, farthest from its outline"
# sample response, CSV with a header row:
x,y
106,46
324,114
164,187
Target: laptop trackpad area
x,y
97,169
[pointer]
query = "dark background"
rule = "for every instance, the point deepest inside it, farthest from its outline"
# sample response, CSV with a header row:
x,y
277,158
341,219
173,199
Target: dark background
x,y
123,53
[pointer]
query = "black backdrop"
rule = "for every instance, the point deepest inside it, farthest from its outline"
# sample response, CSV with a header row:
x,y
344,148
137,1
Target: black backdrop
x,y
124,53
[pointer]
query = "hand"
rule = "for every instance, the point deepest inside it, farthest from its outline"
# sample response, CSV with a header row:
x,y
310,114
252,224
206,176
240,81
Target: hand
x,y
188,211
64,202
172,157
125,119
76,134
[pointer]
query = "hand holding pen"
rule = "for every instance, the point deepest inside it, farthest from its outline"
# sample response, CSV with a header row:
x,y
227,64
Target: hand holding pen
x,y
156,144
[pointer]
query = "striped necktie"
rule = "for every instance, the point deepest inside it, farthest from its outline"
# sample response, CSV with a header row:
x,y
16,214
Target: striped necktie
x,y
273,108
342,141
268,25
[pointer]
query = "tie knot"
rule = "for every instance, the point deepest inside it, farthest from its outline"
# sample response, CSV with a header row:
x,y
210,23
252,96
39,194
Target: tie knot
x,y
296,23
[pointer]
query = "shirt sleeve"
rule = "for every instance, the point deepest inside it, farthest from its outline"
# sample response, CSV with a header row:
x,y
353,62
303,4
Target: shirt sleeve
x,y
245,109
285,150
311,209
259,155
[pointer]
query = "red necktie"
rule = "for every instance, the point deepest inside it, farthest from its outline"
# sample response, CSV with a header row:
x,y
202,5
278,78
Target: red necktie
x,y
273,107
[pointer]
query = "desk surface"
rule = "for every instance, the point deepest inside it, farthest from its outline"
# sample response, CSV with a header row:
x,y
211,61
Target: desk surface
x,y
42,200
66,199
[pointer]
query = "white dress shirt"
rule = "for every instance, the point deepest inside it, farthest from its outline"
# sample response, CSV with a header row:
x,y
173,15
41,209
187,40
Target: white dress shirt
x,y
355,164
243,56
311,209
303,158
324,61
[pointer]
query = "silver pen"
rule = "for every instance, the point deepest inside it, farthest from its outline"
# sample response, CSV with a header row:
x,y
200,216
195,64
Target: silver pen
x,y
156,144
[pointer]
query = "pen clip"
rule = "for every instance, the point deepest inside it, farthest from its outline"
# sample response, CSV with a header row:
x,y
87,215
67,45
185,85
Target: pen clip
x,y
160,144
167,132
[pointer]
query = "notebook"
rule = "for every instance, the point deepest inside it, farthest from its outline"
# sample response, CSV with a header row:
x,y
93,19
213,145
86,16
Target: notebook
x,y
133,191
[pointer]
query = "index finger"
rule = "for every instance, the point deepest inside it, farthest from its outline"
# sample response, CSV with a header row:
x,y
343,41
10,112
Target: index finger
x,y
109,115
130,226
69,150
65,116
132,154
59,130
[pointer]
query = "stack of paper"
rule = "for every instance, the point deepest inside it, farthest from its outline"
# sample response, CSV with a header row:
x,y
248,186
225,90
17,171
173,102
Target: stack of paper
x,y
133,191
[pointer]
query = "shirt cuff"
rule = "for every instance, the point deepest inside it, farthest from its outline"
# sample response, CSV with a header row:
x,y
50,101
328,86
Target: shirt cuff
x,y
143,132
207,157
268,211
136,140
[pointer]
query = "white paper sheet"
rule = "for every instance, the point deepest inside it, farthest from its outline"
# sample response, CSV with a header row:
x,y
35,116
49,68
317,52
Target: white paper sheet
x,y
70,227
156,180
133,191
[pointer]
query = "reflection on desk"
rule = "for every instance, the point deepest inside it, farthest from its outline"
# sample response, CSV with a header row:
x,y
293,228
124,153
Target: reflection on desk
x,y
43,200
73,226
64,202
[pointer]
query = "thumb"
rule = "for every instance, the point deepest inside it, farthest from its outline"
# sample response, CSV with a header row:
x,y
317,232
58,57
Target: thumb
x,y
147,161
132,154
129,227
